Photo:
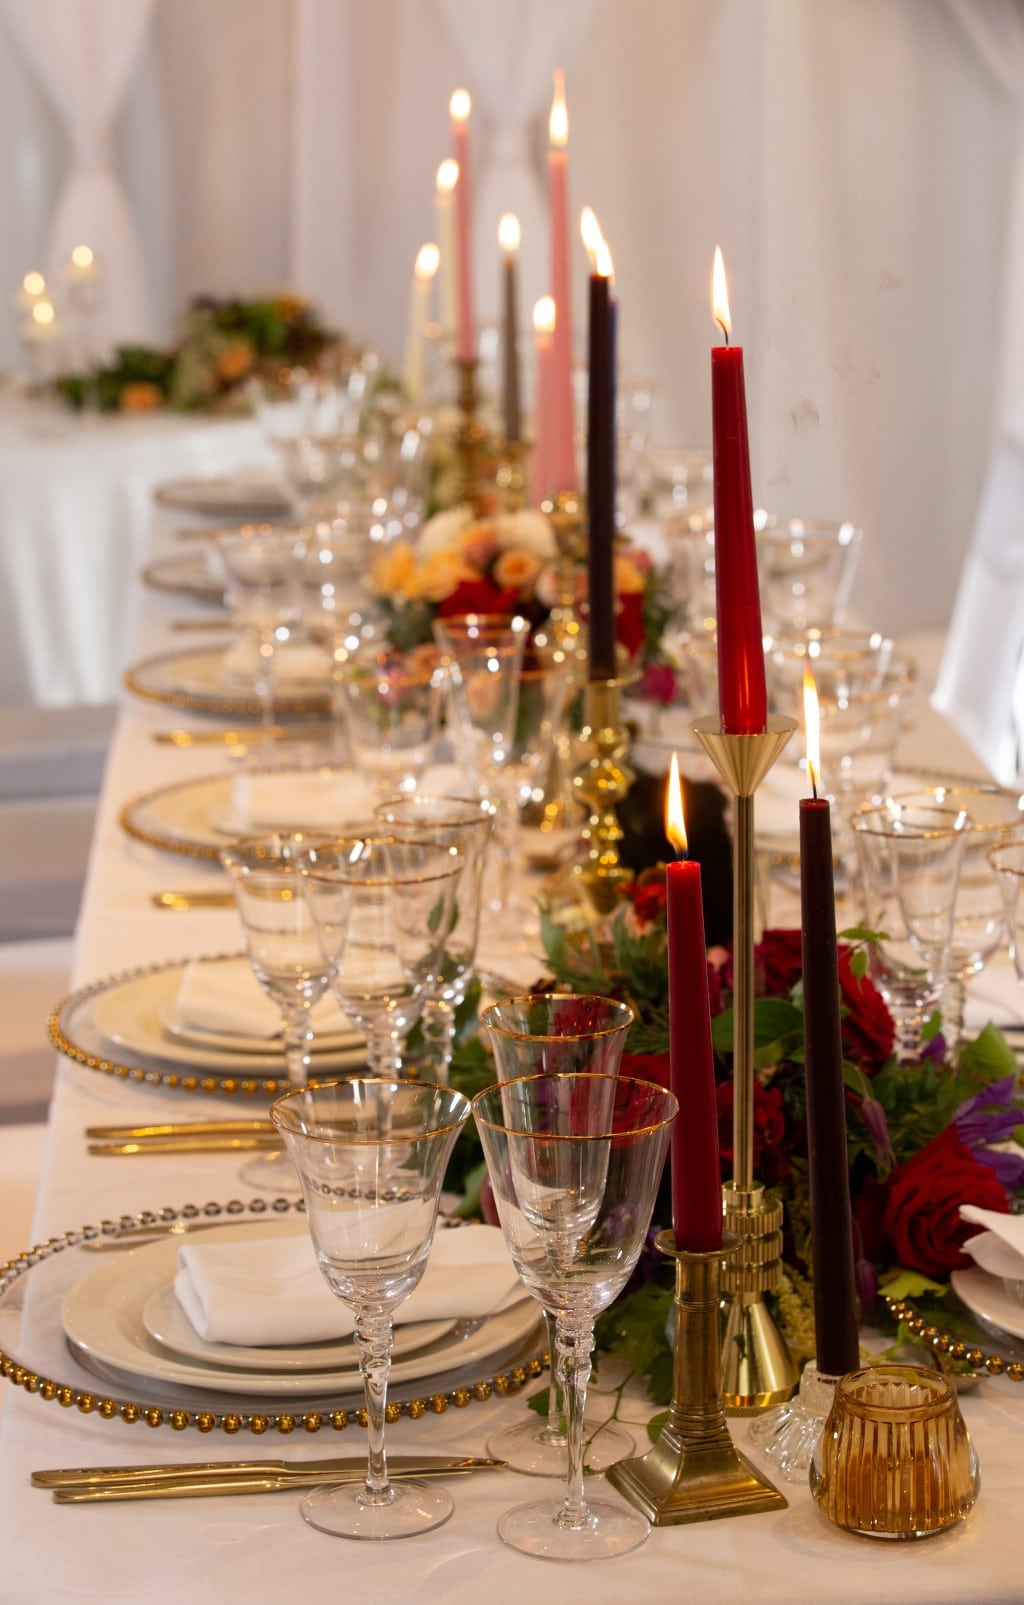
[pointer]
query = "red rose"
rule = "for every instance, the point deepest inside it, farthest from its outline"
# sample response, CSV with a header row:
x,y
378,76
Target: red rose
x,y
778,959
648,900
868,1032
477,596
714,988
922,1212
629,622
647,1067
770,1163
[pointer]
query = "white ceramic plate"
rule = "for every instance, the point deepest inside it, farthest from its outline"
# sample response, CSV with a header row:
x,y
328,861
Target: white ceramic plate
x,y
232,1042
128,1016
987,1298
197,817
194,678
102,1321
168,1325
186,574
226,496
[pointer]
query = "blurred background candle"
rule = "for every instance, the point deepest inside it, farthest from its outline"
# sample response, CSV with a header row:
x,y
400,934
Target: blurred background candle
x,y
696,1171
743,702
82,266
563,417
427,258
508,239
835,1310
31,291
600,455
459,108
444,228
544,318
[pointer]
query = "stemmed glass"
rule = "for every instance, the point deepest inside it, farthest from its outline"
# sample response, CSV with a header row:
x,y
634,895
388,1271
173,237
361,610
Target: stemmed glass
x,y
281,941
467,825
557,1034
371,1156
382,907
575,1162
260,564
390,706
909,860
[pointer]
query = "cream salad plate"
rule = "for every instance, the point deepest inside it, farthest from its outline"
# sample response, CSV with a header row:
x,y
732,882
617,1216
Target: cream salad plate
x,y
216,680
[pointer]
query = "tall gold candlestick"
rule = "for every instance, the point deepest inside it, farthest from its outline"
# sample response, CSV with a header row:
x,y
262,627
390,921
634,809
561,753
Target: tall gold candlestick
x,y
469,436
694,1471
757,1368
602,780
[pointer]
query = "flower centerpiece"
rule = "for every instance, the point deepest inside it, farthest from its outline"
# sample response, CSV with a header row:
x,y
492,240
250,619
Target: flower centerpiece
x,y
222,344
507,563
923,1138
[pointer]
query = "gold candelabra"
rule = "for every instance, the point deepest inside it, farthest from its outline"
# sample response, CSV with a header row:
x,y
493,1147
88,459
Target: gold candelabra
x,y
602,780
694,1472
510,477
469,437
757,1368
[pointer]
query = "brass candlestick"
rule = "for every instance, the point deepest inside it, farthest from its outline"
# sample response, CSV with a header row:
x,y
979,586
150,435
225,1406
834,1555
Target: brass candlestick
x,y
469,437
695,1472
510,477
757,1368
602,780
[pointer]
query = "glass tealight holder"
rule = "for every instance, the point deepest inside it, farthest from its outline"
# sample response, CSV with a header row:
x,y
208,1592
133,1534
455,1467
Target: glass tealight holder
x,y
895,1458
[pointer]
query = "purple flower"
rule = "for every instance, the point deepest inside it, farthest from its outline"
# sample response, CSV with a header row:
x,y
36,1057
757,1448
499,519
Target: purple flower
x,y
873,1115
866,1281
991,1117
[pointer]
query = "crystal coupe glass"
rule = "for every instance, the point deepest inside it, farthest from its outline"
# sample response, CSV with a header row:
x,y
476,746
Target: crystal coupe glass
x,y
575,1162
371,1156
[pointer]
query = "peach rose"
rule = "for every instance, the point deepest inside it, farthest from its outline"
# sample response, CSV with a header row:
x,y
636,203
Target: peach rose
x,y
234,361
478,546
140,396
437,575
629,578
393,569
516,571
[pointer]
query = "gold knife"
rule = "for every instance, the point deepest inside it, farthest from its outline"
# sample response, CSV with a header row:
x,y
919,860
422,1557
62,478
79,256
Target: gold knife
x,y
168,1482
188,1128
204,898
210,1144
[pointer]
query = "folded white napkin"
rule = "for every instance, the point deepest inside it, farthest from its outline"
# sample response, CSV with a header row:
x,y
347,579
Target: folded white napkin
x,y
328,799
224,995
298,662
999,1249
271,1290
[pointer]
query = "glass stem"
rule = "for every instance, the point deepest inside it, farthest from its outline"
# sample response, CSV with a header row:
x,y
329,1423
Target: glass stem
x,y
297,1038
572,1349
438,1026
954,998
553,1430
374,1338
265,681
383,1056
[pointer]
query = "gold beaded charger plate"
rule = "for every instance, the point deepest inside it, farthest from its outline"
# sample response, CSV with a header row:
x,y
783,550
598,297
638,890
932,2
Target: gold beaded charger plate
x,y
199,818
59,1262
134,999
185,574
225,496
195,678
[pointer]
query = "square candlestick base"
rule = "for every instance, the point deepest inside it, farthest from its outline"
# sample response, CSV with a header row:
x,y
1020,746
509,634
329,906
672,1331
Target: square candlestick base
x,y
695,1472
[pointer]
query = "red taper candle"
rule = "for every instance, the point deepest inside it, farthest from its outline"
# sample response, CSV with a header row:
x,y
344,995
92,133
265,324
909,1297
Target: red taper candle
x,y
742,697
835,1300
696,1172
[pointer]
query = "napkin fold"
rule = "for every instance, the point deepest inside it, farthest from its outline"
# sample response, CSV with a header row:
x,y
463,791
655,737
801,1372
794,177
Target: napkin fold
x,y
998,1249
224,995
270,1291
315,799
295,663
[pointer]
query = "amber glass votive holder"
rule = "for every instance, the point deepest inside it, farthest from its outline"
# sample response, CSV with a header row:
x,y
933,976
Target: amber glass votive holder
x,y
895,1458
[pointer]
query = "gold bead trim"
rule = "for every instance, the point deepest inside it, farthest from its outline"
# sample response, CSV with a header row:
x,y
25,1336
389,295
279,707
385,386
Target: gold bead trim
x,y
107,1408
947,1343
213,702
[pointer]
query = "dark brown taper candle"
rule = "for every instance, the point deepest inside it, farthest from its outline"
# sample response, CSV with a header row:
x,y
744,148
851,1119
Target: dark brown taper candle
x,y
601,480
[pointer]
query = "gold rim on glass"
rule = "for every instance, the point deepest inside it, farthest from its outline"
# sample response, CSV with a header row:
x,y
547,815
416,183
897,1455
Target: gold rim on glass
x,y
581,1136
563,1036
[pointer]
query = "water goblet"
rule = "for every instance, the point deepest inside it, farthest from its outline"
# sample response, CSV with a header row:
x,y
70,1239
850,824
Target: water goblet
x,y
575,1162
465,824
557,1034
281,942
390,706
1006,860
371,1156
260,564
382,907
909,862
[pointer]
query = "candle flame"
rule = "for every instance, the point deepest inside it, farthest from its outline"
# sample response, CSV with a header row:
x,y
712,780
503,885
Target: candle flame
x,y
33,283
812,721
603,264
720,296
675,824
428,260
43,313
509,233
544,315
447,175
558,122
82,256
590,232
460,106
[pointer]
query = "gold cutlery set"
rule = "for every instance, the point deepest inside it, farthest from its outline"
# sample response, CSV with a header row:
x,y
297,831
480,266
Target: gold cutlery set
x,y
198,1479
183,1137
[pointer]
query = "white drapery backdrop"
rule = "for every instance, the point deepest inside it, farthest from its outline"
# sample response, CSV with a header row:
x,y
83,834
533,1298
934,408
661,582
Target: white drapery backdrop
x,y
853,157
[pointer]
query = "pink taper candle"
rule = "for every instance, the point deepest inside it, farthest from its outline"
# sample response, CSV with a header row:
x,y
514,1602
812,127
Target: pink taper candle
x,y
544,324
459,107
563,446
696,1173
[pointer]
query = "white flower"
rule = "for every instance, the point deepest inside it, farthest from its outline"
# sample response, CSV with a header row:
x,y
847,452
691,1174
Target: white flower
x,y
528,531
443,530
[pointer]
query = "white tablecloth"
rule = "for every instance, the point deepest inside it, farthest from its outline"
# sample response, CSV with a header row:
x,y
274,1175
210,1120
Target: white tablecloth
x,y
75,525
244,1550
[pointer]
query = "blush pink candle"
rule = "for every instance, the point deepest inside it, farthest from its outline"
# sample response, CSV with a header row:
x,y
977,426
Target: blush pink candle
x,y
563,419
543,330
459,108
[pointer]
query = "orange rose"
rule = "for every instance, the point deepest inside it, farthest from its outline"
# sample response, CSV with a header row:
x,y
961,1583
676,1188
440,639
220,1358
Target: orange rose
x,y
516,571
234,361
140,396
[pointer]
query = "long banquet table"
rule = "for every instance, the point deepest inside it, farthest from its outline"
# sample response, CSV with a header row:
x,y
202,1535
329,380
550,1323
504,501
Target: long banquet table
x,y
256,1548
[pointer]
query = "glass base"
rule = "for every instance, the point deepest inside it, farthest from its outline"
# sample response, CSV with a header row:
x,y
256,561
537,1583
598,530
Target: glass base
x,y
789,1436
536,1529
409,1507
527,1447
271,1172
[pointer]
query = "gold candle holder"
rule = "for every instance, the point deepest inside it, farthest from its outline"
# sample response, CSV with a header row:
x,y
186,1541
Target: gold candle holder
x,y
510,477
602,780
757,1368
695,1472
469,436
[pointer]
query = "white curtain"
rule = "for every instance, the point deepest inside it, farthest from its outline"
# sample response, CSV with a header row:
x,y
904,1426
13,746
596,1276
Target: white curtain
x,y
83,54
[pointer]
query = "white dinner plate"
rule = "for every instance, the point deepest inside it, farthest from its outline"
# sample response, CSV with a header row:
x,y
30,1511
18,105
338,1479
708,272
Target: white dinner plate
x,y
103,1323
176,1026
987,1298
226,496
185,574
128,1016
197,817
168,1325
195,678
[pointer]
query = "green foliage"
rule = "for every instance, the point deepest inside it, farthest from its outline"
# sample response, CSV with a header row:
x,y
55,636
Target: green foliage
x,y
919,1100
634,1330
778,1032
